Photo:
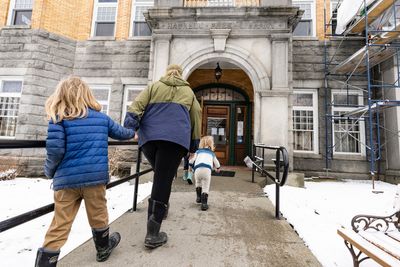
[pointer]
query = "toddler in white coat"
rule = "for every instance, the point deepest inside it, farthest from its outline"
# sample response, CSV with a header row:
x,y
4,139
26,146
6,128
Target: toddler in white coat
x,y
203,162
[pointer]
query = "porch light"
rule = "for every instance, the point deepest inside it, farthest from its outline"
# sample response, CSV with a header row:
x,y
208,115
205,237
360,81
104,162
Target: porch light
x,y
218,72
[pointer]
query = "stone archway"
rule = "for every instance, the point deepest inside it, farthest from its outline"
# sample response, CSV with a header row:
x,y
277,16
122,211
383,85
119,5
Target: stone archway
x,y
250,65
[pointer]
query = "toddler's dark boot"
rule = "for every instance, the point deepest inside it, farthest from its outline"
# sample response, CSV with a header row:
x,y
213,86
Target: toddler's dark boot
x,y
154,238
105,243
204,198
198,193
166,212
46,258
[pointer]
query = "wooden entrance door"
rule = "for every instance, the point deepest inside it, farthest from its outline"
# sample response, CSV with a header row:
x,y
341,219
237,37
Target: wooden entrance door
x,y
216,123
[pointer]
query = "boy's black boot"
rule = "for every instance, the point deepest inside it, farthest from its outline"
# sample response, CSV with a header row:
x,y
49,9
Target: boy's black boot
x,y
46,258
204,198
105,243
154,238
198,192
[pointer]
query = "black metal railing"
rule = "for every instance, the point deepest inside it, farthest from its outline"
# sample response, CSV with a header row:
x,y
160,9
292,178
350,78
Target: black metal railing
x,y
33,214
281,163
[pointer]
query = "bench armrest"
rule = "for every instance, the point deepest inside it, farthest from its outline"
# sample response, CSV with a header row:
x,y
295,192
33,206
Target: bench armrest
x,y
378,223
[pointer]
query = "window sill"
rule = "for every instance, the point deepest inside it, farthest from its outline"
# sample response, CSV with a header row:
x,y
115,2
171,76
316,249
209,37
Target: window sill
x,y
17,27
349,157
102,38
139,38
306,155
305,38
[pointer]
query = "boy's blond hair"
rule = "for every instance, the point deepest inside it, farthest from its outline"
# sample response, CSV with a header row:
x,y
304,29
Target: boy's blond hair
x,y
207,142
71,100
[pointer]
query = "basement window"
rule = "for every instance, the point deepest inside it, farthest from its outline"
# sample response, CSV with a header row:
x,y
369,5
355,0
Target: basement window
x,y
10,95
104,17
102,95
130,93
139,25
20,12
348,131
305,120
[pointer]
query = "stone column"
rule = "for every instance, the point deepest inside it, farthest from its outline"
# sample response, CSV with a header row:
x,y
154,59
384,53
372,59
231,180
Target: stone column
x,y
168,3
280,61
160,54
275,110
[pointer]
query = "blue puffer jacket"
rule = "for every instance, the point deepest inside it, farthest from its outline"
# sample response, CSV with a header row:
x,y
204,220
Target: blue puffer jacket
x,y
77,150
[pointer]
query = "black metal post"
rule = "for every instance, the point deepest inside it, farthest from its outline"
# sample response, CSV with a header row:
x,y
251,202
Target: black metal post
x,y
135,194
277,182
263,156
253,159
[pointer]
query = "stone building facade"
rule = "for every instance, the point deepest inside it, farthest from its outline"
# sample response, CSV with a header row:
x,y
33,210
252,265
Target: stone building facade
x,y
272,85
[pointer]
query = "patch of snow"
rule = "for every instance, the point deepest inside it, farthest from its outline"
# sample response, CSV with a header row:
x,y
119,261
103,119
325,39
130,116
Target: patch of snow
x,y
319,209
18,245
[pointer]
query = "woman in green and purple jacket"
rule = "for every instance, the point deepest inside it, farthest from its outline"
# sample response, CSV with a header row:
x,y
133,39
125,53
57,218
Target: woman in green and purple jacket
x,y
167,117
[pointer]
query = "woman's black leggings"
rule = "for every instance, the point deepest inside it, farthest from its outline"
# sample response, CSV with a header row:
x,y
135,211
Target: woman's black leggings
x,y
164,157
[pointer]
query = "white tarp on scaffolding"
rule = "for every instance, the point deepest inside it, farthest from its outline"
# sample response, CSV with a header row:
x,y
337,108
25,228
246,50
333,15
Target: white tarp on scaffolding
x,y
347,11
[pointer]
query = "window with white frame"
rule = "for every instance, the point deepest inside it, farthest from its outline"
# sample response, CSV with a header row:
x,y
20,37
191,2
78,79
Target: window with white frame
x,y
220,2
139,25
20,12
306,26
305,121
131,92
104,17
10,95
333,8
348,132
102,95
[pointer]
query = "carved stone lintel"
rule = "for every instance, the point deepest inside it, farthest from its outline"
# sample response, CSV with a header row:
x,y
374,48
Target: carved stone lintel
x,y
219,36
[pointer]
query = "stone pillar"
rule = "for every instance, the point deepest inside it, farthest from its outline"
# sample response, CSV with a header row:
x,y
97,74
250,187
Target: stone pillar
x,y
280,61
168,3
274,118
160,54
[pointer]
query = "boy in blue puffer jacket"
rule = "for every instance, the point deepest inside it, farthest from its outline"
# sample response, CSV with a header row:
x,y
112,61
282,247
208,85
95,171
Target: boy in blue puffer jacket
x,y
77,161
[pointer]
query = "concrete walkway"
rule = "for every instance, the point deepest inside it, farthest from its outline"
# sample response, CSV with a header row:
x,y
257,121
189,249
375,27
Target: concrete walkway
x,y
239,229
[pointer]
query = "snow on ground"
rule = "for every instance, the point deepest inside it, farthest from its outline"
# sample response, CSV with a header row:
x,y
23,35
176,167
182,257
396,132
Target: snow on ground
x,y
18,245
319,209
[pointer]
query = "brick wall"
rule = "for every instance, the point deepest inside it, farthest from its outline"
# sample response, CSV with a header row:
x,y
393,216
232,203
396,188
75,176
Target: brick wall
x,y
3,12
124,19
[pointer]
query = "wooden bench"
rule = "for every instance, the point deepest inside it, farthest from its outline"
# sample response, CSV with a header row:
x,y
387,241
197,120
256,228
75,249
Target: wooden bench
x,y
374,237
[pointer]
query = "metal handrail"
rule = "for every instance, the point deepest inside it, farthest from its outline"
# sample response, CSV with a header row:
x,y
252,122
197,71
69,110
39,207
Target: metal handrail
x,y
33,214
281,161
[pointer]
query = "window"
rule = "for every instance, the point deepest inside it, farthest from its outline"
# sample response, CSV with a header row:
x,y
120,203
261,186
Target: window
x,y
102,95
219,94
20,12
140,27
10,94
305,121
220,2
131,92
306,25
333,20
104,15
348,133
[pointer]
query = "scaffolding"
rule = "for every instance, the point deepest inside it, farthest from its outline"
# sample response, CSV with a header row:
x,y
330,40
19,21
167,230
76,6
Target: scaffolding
x,y
377,26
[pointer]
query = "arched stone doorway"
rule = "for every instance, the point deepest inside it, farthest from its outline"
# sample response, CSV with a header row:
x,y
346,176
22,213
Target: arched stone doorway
x,y
227,109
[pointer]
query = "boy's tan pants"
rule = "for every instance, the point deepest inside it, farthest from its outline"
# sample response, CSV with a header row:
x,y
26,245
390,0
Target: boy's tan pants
x,y
67,202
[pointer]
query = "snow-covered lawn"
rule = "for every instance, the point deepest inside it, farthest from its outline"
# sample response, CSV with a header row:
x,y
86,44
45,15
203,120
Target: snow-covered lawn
x,y
319,209
18,245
